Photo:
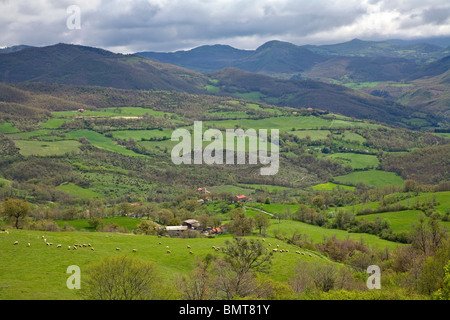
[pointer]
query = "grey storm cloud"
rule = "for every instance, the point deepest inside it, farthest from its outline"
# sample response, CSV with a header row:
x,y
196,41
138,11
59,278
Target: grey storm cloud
x,y
166,25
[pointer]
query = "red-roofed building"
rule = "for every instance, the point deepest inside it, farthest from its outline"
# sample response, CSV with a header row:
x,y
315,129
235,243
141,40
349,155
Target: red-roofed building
x,y
240,198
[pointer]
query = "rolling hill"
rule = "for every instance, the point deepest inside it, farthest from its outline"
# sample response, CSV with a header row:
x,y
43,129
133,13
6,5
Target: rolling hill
x,y
79,65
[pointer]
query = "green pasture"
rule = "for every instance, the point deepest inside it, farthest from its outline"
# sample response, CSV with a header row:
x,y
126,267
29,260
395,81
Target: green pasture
x,y
401,220
355,160
314,135
38,272
7,127
47,148
331,186
77,191
101,142
372,178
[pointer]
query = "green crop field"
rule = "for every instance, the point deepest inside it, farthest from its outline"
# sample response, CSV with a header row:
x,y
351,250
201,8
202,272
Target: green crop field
x,y
373,178
47,148
355,160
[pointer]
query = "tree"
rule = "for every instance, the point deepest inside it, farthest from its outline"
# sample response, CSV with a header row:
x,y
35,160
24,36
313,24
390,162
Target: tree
x,y
235,274
122,278
16,210
148,228
444,292
262,222
240,224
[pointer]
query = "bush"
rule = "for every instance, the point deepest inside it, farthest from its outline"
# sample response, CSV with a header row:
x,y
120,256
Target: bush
x,y
123,278
43,225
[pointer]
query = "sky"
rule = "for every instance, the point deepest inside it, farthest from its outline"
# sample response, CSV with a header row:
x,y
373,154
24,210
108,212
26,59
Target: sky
x,y
128,26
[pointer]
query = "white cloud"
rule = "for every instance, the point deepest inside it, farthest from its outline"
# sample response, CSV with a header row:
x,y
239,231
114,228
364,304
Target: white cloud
x,y
164,25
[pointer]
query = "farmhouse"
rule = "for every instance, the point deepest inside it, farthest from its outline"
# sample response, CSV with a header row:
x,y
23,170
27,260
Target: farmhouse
x,y
202,191
240,198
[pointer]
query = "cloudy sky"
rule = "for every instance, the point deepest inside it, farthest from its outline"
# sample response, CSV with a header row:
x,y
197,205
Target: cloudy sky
x,y
167,25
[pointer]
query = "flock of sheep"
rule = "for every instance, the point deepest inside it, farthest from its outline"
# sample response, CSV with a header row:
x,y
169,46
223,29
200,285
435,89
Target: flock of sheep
x,y
76,246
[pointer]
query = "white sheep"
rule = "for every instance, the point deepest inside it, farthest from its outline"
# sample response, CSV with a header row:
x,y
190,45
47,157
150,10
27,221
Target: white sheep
x,y
16,243
134,250
168,251
68,247
188,246
59,246
92,249
117,249
167,247
28,244
190,252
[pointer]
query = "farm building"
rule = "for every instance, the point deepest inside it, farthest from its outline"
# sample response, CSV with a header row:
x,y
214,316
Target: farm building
x,y
191,224
202,191
174,231
240,198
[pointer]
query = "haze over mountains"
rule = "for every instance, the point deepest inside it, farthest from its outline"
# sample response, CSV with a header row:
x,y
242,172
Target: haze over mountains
x,y
396,82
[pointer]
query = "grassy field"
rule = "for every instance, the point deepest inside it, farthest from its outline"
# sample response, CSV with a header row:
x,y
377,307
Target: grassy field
x,y
101,142
314,135
372,178
317,234
355,160
47,148
38,272
331,186
7,127
77,191
401,220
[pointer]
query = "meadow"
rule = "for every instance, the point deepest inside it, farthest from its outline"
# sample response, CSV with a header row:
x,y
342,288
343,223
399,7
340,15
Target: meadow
x,y
373,178
38,272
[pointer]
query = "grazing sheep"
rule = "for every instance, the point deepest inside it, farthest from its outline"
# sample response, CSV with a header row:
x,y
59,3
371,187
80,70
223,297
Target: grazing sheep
x,y
117,249
16,243
58,246
275,250
43,237
28,244
84,245
214,247
92,249
167,247
188,246
297,252
45,240
303,253
263,239
75,248
160,243
168,251
310,254
89,245
68,247
134,250
190,252
270,245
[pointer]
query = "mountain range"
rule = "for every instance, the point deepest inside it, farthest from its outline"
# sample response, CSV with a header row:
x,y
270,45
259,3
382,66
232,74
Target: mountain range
x,y
401,86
